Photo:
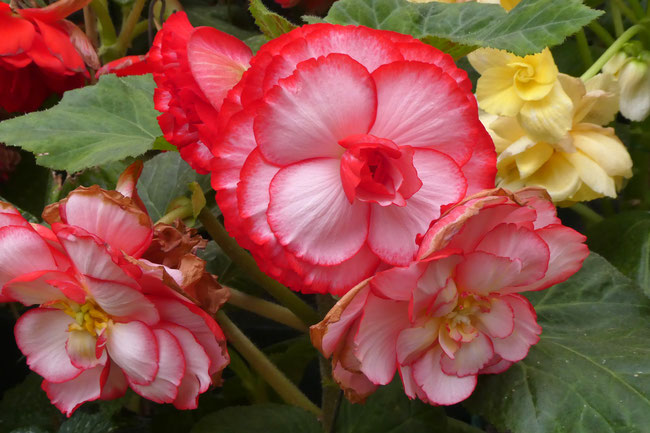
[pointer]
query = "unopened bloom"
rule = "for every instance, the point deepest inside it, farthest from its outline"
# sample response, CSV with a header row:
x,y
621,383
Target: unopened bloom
x,y
633,75
523,87
338,146
456,312
100,324
587,163
41,54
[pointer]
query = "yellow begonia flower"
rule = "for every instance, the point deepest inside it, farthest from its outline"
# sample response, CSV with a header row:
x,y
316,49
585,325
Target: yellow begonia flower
x,y
526,87
589,162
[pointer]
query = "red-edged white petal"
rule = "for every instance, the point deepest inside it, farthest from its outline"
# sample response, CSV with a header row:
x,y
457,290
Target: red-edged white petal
x,y
68,396
22,251
484,273
525,334
496,366
197,364
41,334
123,227
338,330
305,115
12,219
164,387
419,105
499,321
134,348
354,384
412,342
382,322
43,286
217,61
393,229
481,169
115,384
567,252
397,283
122,302
436,293
82,350
470,358
203,327
439,387
311,216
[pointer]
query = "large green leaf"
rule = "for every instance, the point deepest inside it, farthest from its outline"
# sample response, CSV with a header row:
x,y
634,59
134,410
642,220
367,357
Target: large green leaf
x,y
267,418
109,121
624,240
459,28
164,178
388,410
590,372
27,405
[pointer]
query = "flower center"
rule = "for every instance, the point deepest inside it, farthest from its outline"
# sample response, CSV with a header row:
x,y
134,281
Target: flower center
x,y
375,169
524,72
88,317
460,323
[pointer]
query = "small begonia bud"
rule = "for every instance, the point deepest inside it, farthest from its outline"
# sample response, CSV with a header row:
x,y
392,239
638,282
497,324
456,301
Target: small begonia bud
x,y
634,81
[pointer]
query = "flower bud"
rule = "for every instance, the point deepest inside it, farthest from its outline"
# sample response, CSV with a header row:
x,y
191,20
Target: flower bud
x,y
634,81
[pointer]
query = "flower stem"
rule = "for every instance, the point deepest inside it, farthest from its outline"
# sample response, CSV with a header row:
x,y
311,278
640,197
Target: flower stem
x,y
612,50
269,372
588,214
637,8
118,49
181,212
90,25
583,48
107,34
266,309
625,9
244,260
601,32
331,393
616,18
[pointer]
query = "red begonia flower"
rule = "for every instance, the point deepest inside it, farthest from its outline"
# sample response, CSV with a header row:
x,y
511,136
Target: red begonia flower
x,y
456,312
339,146
102,323
41,54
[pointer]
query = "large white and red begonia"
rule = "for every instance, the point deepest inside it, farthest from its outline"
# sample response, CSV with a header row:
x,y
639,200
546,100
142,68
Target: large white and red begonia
x,y
456,312
338,147
100,325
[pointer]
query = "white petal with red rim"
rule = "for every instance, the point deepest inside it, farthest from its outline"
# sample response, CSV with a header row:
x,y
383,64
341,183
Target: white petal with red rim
x,y
134,348
469,358
376,340
441,388
305,115
68,396
197,360
412,342
525,334
39,287
393,229
82,350
311,216
397,283
484,273
164,387
122,302
499,321
115,384
22,250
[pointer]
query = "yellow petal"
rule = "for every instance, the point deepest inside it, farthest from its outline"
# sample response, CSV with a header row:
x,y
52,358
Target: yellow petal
x,y
496,93
601,103
603,147
509,4
591,173
584,193
545,69
507,128
548,119
532,159
532,90
486,58
558,177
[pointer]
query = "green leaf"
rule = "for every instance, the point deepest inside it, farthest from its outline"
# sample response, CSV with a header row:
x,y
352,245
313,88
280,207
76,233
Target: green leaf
x,y
388,410
91,126
459,28
27,405
82,422
270,23
267,418
105,176
624,240
27,186
589,372
164,178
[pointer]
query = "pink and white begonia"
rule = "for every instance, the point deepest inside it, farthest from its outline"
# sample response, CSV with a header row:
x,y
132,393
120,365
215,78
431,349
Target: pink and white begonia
x,y
456,311
338,147
99,326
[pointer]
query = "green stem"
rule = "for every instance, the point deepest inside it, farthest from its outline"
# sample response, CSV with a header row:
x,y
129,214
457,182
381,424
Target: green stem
x,y
583,48
456,426
118,49
629,13
244,261
178,213
617,19
637,8
601,32
588,214
269,372
107,34
611,51
266,309
331,393
139,29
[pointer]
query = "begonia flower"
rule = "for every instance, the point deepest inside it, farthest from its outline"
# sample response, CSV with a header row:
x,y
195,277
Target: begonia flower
x,y
589,162
340,145
194,68
523,87
457,311
100,325
41,54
